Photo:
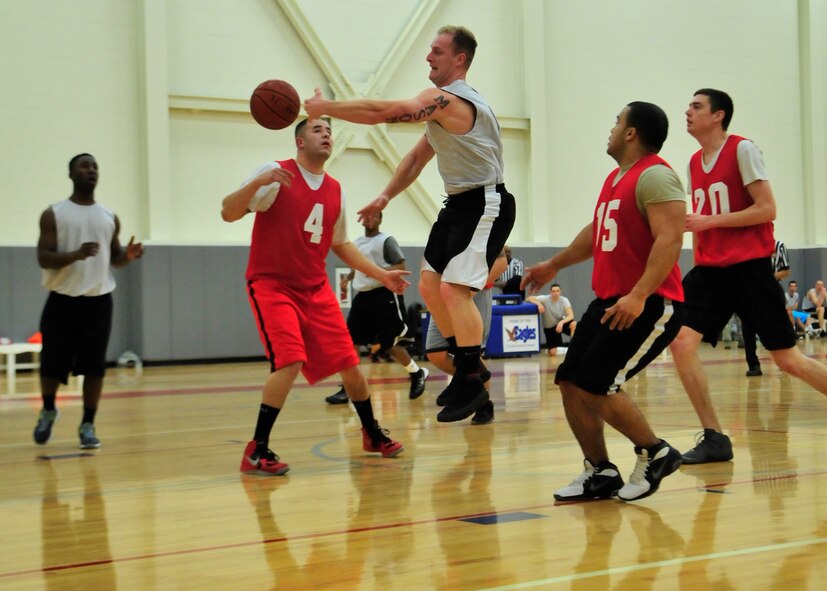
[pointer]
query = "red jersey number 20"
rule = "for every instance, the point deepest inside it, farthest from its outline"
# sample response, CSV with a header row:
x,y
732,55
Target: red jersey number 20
x,y
718,199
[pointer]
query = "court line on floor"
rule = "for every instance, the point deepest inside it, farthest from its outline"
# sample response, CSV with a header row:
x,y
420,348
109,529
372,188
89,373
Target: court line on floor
x,y
619,570
333,383
8,398
449,518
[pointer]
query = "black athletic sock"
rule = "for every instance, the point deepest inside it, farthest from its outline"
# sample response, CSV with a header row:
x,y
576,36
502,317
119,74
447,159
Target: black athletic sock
x,y
467,361
49,401
89,415
452,345
365,411
654,449
266,418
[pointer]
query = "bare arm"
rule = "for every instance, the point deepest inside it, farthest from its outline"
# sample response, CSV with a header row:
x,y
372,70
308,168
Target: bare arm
x,y
666,221
47,255
533,299
762,210
431,103
817,299
236,205
406,173
500,265
393,279
579,250
120,257
349,277
811,295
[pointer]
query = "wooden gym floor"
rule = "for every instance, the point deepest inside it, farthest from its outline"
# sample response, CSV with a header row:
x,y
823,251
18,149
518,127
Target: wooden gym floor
x,y
162,506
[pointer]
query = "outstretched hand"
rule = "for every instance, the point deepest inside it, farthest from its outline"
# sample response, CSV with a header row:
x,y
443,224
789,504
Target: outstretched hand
x,y
536,276
315,105
372,208
134,250
395,280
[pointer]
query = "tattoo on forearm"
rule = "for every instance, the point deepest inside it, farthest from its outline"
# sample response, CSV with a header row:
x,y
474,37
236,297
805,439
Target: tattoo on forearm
x,y
440,102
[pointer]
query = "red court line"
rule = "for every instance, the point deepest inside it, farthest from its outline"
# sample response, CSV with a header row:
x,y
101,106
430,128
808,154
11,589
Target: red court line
x,y
316,535
215,389
61,567
257,387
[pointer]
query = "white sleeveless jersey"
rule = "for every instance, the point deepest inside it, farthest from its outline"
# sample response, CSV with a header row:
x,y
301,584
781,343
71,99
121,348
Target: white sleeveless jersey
x,y
77,224
373,247
474,159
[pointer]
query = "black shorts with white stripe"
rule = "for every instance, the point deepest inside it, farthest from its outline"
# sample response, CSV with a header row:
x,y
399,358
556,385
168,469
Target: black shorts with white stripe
x,y
600,360
469,234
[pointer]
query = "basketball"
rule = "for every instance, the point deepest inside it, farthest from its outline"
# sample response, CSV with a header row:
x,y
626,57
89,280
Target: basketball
x,y
275,104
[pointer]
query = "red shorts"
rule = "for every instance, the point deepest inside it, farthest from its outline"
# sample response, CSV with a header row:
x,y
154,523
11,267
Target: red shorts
x,y
302,326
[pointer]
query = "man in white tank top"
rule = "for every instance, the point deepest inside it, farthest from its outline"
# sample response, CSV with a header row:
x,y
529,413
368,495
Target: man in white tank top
x,y
472,228
377,316
77,248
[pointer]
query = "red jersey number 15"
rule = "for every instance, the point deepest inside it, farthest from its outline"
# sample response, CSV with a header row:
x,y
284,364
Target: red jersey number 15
x,y
606,235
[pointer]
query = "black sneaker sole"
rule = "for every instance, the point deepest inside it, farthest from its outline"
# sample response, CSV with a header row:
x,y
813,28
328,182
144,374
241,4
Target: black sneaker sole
x,y
485,374
607,491
44,441
581,498
416,393
445,397
451,414
484,415
690,461
337,398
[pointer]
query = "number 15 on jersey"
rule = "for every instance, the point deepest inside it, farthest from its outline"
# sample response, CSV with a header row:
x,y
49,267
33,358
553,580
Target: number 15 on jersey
x,y
606,235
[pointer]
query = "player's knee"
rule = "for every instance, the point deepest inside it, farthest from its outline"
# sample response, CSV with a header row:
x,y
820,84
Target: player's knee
x,y
453,294
682,344
428,290
790,361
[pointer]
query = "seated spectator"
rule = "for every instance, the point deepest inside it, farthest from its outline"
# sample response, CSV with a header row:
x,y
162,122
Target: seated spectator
x,y
801,321
509,281
558,317
814,303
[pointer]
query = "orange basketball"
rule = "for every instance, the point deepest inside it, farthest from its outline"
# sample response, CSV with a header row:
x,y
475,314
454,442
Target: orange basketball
x,y
275,104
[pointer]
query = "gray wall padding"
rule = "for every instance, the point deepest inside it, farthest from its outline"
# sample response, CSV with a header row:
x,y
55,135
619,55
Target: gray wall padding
x,y
186,303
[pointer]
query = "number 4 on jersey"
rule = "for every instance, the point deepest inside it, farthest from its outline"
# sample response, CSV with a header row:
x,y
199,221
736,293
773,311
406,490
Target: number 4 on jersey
x,y
314,224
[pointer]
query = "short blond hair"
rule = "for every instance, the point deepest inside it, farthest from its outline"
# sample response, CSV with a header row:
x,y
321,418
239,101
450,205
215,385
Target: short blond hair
x,y
463,41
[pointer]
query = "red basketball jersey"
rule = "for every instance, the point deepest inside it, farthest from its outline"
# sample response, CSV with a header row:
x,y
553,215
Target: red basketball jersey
x,y
622,239
291,239
722,190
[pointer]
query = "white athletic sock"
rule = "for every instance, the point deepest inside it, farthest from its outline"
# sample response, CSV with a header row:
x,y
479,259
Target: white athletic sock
x,y
412,367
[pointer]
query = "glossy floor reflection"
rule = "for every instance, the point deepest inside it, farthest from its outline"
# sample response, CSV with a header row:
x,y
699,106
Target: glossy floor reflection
x,y
162,506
